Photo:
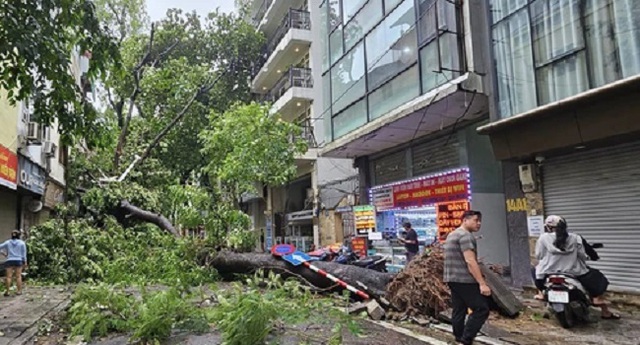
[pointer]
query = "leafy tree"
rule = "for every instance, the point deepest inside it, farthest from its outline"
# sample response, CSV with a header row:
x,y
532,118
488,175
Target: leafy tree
x,y
247,144
37,38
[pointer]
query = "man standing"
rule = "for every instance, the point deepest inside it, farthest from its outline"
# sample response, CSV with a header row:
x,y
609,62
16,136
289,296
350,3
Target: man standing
x,y
410,242
462,273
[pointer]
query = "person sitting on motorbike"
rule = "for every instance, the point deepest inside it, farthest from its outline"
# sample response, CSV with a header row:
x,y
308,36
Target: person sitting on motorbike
x,y
560,252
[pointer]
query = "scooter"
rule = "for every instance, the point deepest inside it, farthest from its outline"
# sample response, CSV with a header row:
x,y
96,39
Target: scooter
x,y
567,299
374,262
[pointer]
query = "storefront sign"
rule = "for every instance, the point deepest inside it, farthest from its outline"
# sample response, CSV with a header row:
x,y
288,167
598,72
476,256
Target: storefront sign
x,y
32,177
359,246
365,219
382,198
53,195
268,234
344,209
450,216
8,168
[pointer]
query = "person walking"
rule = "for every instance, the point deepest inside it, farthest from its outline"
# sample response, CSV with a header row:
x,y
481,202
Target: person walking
x,y
16,251
410,242
462,273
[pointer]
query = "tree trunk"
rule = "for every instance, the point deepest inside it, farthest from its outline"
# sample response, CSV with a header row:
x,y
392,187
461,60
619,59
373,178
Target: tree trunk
x,y
157,219
230,263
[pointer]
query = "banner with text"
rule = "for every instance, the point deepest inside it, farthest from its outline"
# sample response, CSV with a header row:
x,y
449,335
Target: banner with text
x,y
365,219
449,215
8,168
432,190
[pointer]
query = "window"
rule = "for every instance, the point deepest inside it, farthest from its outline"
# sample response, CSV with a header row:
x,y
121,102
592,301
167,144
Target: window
x,y
601,43
436,17
326,116
627,32
347,79
336,45
350,7
503,8
390,5
350,119
392,46
514,64
364,21
401,89
335,14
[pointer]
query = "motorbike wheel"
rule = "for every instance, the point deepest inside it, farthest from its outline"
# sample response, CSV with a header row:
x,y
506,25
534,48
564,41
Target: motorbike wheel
x,y
566,318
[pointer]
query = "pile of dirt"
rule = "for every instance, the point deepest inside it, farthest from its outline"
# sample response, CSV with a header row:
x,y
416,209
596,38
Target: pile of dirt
x,y
419,289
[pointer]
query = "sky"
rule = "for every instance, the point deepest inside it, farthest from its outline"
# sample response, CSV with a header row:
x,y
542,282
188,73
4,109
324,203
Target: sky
x,y
158,8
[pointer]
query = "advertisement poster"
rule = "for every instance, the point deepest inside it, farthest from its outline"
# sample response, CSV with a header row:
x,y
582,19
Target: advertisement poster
x,y
449,215
365,219
359,246
429,191
8,168
535,224
382,198
268,234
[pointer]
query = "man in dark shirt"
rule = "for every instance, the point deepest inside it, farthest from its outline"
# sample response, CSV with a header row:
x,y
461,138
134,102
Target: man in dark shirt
x,y
410,241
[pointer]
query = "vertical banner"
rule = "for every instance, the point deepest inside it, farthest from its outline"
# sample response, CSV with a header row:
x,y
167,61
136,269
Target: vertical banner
x,y
268,234
8,168
365,219
449,216
359,246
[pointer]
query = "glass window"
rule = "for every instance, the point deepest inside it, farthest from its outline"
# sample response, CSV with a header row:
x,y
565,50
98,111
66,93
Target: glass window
x,y
326,116
324,36
350,7
446,19
335,14
350,119
336,45
347,79
503,8
556,29
514,65
390,5
440,69
392,46
326,91
398,91
601,44
627,31
562,79
366,19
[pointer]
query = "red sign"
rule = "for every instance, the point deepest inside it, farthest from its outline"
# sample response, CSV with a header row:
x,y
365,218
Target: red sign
x,y
432,190
282,249
8,168
450,216
359,246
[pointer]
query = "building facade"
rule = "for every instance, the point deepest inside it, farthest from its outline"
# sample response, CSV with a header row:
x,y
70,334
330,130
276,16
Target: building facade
x,y
565,123
405,85
288,76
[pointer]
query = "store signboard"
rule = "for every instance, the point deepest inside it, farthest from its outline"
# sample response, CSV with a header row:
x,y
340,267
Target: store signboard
x,y
359,246
32,177
432,190
268,238
8,168
449,216
365,219
382,198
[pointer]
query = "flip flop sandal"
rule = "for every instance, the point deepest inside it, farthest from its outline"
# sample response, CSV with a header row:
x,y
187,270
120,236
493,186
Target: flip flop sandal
x,y
613,316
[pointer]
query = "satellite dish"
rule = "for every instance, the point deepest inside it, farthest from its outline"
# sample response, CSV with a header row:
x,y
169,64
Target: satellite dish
x,y
35,206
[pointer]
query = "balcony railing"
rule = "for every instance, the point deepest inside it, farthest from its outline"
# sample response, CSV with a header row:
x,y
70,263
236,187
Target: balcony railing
x,y
261,12
295,19
307,134
294,77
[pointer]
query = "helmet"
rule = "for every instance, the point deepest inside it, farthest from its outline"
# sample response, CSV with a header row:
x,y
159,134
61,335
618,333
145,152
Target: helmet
x,y
554,221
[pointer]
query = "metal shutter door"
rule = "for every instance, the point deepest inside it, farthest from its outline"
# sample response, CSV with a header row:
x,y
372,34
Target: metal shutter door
x,y
390,168
598,192
434,156
8,210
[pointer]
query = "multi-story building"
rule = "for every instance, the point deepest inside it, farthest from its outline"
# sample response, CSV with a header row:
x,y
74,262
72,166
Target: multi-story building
x,y
32,162
566,122
405,86
288,76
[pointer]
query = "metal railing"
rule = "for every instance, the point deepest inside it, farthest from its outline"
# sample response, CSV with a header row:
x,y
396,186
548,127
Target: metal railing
x,y
307,134
295,19
261,12
294,77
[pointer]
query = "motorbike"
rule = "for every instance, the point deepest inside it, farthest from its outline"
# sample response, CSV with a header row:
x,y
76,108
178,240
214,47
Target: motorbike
x,y
374,262
567,299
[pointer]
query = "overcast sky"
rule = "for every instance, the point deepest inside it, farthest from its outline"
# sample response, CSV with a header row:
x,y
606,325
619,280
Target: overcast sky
x,y
158,8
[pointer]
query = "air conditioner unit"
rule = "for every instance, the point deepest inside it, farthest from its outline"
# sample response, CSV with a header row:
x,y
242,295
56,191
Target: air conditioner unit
x,y
33,131
49,149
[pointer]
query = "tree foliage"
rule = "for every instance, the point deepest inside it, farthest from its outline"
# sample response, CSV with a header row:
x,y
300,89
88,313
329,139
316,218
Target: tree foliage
x,y
37,39
247,144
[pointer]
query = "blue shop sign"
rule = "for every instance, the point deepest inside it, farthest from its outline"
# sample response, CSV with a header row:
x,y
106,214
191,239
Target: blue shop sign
x,y
31,176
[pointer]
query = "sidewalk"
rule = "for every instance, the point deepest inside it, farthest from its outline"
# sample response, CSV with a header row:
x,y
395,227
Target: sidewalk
x,y
21,315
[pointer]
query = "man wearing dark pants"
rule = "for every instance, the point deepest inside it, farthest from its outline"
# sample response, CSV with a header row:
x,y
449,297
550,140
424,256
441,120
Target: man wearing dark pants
x,y
410,242
462,272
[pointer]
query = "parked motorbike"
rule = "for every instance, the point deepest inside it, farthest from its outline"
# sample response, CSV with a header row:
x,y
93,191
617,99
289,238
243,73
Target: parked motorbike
x,y
567,299
374,262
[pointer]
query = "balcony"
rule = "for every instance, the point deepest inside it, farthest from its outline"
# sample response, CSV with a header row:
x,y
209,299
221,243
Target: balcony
x,y
260,12
291,93
288,44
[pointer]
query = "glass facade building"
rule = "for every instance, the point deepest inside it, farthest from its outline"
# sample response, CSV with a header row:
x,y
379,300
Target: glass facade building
x,y
548,50
380,54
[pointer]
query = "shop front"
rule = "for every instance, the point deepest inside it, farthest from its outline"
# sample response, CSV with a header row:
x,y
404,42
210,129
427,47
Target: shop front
x,y
32,182
299,230
8,197
433,204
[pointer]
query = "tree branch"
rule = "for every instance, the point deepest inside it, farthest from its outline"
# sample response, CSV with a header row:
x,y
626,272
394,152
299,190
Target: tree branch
x,y
157,219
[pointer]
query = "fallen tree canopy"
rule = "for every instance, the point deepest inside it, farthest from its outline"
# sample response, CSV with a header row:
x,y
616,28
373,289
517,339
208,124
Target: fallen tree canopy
x,y
147,216
230,263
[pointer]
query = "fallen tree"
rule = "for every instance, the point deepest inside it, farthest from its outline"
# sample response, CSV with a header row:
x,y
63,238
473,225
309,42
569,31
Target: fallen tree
x,y
229,263
147,216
